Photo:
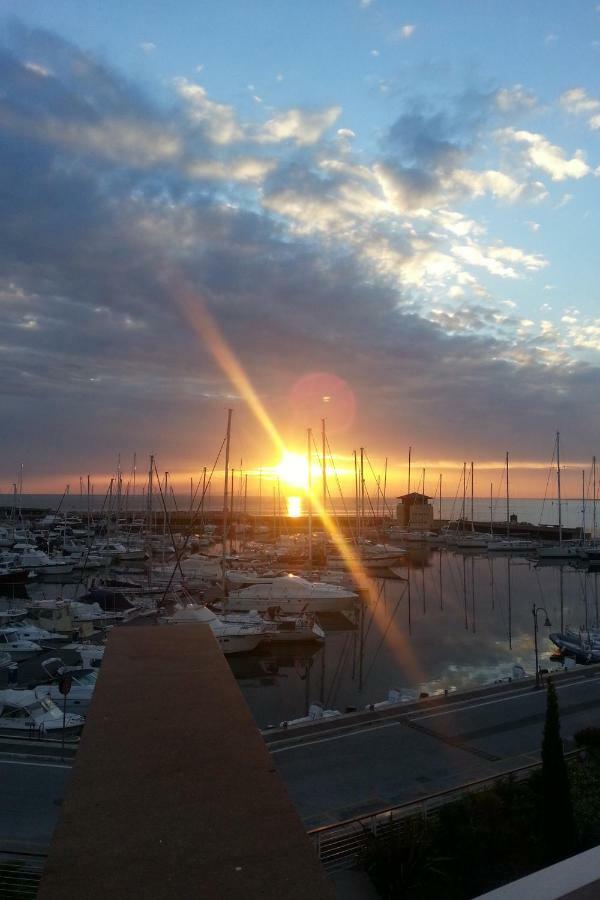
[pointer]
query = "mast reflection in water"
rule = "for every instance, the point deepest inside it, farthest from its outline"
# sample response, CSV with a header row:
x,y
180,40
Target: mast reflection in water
x,y
458,620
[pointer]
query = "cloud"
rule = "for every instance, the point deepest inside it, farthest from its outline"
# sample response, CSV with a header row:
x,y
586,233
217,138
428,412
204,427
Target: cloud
x,y
516,98
541,154
309,256
218,120
37,69
405,32
148,47
577,102
303,127
248,169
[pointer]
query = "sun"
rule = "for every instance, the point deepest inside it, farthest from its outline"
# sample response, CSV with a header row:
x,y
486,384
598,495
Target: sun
x,y
293,470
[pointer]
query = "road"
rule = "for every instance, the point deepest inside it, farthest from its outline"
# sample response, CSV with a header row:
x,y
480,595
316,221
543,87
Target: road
x,y
31,791
368,764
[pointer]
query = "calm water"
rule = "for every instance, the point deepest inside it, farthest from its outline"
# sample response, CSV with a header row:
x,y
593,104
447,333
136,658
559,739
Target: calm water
x,y
454,624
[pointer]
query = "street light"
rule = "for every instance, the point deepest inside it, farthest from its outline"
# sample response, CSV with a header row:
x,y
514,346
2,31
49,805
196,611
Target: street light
x,y
547,624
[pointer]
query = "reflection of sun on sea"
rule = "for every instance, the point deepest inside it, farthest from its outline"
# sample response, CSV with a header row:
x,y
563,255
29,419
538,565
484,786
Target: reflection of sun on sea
x,y
294,507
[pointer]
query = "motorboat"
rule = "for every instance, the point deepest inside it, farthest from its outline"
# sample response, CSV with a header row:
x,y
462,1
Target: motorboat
x,y
316,713
40,636
281,628
34,560
79,697
18,647
292,594
510,545
115,550
10,615
560,551
88,655
24,714
232,637
583,648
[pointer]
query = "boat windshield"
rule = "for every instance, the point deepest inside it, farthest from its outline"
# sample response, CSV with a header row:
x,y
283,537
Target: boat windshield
x,y
86,678
47,706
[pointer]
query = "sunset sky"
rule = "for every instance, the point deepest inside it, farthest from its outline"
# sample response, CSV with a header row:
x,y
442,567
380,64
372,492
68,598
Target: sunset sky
x,y
382,213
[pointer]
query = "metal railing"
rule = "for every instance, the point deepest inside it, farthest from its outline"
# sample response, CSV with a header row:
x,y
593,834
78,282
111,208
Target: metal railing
x,y
340,845
20,874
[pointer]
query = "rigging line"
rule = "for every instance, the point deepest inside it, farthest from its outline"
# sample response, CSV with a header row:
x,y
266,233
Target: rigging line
x,y
89,548
375,480
337,482
384,635
167,518
179,553
451,518
547,484
499,493
374,610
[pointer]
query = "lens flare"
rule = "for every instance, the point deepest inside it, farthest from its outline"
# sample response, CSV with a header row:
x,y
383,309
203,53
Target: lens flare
x,y
207,330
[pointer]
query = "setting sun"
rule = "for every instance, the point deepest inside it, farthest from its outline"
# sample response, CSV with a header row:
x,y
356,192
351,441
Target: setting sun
x,y
293,470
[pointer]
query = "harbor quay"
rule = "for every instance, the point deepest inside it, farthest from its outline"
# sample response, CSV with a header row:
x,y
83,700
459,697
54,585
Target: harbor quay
x,y
366,762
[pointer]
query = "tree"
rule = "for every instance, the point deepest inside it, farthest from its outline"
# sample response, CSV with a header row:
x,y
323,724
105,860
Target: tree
x,y
557,811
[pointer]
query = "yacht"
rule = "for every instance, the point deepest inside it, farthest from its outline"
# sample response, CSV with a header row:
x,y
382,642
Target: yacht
x,y
23,556
83,682
513,545
24,714
281,629
233,637
292,594
560,551
19,648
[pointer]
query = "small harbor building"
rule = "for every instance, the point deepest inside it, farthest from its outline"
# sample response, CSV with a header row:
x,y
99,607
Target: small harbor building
x,y
415,512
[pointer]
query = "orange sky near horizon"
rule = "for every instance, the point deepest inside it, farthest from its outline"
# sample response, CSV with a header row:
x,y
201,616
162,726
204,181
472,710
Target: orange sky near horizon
x,y
528,479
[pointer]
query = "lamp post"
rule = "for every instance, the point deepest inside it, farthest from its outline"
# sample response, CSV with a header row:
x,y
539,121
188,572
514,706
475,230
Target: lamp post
x,y
534,611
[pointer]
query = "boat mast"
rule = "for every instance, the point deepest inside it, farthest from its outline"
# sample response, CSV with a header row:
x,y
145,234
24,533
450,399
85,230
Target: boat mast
x,y
384,488
362,485
309,493
260,491
507,500
491,508
225,501
582,507
323,466
472,499
464,499
593,498
558,487
356,498
440,500
408,488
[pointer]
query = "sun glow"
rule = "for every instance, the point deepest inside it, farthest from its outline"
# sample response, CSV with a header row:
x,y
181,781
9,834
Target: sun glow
x,y
293,470
294,507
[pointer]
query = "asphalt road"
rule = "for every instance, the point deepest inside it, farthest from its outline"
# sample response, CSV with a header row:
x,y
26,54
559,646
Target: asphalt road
x,y
354,770
31,792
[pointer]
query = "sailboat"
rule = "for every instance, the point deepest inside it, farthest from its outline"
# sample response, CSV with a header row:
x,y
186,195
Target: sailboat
x,y
564,549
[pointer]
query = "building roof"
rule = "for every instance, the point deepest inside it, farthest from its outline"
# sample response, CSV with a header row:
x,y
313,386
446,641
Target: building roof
x,y
414,497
